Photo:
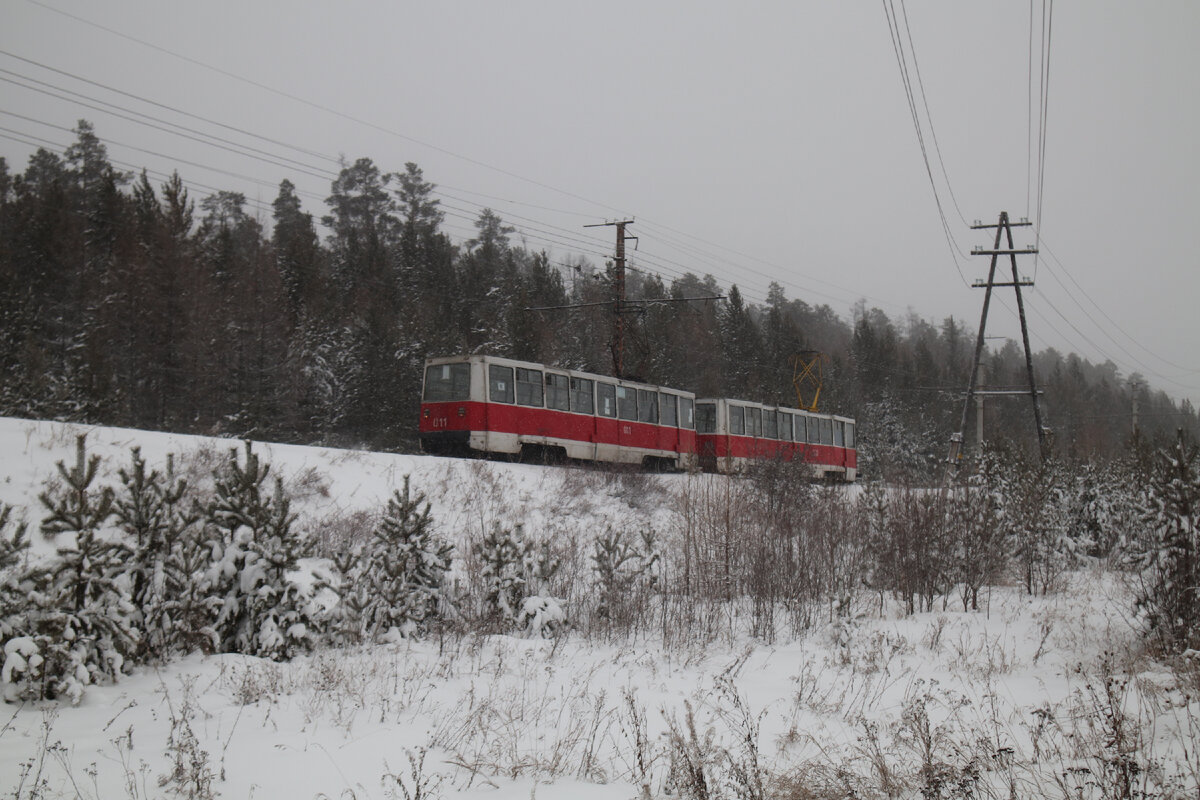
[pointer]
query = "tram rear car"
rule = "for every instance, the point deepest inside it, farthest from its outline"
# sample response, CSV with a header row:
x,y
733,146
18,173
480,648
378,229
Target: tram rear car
x,y
731,434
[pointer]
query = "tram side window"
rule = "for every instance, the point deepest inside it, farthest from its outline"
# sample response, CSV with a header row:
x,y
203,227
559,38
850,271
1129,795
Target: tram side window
x,y
626,403
754,422
706,417
447,383
850,435
801,432
581,396
839,433
606,395
814,430
685,414
770,425
500,383
785,426
737,420
826,431
647,403
557,396
670,409
529,387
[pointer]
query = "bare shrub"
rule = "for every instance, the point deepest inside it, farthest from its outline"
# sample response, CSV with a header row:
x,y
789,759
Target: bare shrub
x,y
693,758
417,784
191,774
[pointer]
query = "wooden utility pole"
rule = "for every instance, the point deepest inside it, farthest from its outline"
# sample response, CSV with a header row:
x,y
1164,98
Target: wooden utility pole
x,y
1134,386
1003,229
619,305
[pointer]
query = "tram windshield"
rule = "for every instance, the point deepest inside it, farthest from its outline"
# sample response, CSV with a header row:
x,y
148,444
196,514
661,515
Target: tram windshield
x,y
447,383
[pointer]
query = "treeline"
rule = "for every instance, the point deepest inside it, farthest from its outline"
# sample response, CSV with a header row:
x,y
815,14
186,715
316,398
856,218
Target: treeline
x,y
128,303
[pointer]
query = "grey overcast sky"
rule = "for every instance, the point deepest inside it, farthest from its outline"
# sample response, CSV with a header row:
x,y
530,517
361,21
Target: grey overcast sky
x,y
756,141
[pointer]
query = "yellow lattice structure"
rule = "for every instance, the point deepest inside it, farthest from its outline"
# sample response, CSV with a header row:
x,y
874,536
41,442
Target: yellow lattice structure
x,y
806,378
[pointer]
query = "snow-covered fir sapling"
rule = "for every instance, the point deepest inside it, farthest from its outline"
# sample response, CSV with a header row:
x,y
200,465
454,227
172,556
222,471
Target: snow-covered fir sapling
x,y
87,625
19,657
14,545
514,569
148,507
258,609
625,571
398,585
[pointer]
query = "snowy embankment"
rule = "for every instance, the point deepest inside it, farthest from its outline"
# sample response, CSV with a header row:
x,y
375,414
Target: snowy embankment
x,y
1045,696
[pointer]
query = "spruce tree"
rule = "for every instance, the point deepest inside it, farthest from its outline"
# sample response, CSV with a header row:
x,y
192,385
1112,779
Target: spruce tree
x,y
400,586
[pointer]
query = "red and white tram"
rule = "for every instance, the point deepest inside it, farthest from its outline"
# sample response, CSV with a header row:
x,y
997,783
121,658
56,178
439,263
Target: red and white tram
x,y
487,404
730,434
498,405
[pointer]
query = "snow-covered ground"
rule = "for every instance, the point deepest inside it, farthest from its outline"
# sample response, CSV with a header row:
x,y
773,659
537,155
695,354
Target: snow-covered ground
x,y
1031,697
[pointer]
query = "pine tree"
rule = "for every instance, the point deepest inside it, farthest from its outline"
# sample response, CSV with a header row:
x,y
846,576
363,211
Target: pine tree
x,y
513,569
14,545
257,609
87,626
20,584
399,587
150,510
625,571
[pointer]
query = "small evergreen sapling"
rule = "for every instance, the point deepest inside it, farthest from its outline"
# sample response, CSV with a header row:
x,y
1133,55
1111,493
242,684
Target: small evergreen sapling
x,y
87,623
258,609
513,570
150,509
20,661
625,570
400,585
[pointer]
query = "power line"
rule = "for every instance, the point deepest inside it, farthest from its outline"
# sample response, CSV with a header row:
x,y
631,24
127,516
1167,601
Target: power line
x,y
317,106
165,107
1047,32
184,132
1111,321
889,11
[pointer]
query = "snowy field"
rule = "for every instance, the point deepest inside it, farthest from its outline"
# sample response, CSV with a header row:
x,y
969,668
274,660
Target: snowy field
x,y
1029,697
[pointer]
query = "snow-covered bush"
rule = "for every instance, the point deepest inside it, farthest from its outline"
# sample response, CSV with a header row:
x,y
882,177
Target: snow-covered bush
x,y
513,568
910,542
396,585
1040,535
1168,558
979,518
541,617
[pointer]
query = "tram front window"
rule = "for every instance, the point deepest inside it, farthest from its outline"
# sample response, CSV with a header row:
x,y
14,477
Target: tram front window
x,y
447,383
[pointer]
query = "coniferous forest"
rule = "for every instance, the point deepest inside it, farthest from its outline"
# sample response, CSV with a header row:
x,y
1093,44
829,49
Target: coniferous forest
x,y
133,303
